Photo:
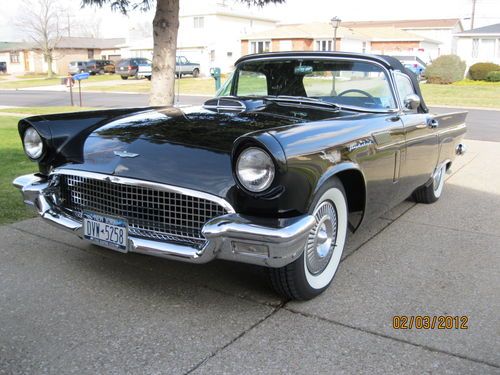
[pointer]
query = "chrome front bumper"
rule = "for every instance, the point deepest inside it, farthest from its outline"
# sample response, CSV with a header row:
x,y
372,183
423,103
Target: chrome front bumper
x,y
266,242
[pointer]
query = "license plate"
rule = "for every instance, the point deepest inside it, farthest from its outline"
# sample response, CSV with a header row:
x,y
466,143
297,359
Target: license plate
x,y
106,231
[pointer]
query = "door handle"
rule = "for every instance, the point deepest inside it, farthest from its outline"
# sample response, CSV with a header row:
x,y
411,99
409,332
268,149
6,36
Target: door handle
x,y
432,123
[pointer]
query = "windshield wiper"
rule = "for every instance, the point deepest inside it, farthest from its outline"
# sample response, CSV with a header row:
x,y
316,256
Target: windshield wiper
x,y
302,99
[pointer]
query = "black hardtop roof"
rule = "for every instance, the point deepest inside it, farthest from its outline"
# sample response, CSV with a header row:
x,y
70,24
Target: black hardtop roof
x,y
388,61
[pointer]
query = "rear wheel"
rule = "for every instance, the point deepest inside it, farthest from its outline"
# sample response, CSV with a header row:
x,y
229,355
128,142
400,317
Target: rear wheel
x,y
432,190
124,77
310,274
149,78
196,72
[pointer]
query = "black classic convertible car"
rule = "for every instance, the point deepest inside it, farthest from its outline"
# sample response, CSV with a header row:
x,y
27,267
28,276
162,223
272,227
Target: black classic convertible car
x,y
295,150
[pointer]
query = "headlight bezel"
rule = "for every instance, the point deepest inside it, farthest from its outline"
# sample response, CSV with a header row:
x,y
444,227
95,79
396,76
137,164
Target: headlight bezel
x,y
34,156
246,184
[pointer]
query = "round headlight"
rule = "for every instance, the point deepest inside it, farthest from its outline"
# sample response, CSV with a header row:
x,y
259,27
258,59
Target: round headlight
x,y
33,145
255,169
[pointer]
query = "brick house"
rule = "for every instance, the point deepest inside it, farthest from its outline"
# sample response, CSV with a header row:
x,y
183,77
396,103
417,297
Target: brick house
x,y
365,37
315,36
441,30
24,57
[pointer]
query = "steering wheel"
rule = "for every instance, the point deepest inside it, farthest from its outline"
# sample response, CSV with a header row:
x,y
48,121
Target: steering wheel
x,y
357,91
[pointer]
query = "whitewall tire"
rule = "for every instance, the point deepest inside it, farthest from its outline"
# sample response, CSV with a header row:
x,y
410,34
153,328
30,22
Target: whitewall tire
x,y
313,271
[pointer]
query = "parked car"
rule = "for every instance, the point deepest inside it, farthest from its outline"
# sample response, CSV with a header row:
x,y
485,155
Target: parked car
x,y
3,67
136,67
296,149
100,66
184,66
75,67
414,64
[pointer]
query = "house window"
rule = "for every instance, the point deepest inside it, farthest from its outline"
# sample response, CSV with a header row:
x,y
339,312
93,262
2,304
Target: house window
x,y
199,22
475,47
260,46
14,57
90,53
324,45
487,48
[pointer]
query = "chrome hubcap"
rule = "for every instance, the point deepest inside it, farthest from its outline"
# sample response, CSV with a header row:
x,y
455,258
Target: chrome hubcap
x,y
438,175
322,238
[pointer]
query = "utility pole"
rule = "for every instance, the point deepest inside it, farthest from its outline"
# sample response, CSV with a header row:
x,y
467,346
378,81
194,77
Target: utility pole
x,y
473,14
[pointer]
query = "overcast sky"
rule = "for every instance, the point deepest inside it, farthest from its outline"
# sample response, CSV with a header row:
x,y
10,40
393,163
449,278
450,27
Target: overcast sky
x,y
115,25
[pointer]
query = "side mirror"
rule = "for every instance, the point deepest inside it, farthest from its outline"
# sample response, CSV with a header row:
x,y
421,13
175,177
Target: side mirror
x,y
411,101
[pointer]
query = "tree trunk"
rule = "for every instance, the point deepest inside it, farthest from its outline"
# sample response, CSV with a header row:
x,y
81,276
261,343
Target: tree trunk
x,y
49,59
165,27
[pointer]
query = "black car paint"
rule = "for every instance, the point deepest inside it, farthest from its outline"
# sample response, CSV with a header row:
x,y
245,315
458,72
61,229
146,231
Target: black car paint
x,y
381,157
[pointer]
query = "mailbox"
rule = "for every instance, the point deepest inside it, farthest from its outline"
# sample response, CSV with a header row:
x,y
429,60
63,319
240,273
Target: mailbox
x,y
215,73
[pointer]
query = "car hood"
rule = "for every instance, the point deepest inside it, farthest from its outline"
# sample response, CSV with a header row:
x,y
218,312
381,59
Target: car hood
x,y
189,148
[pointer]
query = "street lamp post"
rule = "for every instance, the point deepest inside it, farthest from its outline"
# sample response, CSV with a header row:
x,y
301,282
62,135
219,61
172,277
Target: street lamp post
x,y
335,22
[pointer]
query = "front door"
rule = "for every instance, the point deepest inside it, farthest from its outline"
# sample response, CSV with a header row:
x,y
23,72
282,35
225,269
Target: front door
x,y
421,133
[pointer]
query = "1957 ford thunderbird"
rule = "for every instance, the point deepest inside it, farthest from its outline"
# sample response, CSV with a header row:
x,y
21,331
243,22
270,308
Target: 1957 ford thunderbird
x,y
295,150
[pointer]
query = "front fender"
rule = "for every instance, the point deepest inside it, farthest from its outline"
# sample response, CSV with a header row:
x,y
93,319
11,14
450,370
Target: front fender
x,y
353,179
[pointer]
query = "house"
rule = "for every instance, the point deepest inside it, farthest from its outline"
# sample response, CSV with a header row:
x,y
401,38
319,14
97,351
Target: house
x,y
390,40
318,36
441,30
25,57
209,34
479,45
314,36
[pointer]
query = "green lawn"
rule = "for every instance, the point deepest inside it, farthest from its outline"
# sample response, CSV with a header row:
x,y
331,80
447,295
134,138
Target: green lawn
x,y
463,94
14,163
188,86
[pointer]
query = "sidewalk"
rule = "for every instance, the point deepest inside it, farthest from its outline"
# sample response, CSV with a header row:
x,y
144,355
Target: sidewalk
x,y
67,307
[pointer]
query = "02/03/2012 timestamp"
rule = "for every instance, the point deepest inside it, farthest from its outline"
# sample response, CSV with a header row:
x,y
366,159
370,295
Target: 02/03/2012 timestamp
x,y
430,322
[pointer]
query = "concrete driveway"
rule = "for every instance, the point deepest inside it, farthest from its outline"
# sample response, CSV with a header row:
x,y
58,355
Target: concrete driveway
x,y
68,307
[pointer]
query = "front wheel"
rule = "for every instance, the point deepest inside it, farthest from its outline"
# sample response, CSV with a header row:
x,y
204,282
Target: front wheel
x,y
432,190
312,273
124,77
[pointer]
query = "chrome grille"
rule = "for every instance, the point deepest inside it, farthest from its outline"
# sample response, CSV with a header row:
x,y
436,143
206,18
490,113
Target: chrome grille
x,y
153,214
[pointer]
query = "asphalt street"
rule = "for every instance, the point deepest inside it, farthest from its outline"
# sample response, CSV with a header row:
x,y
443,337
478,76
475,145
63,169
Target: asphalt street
x,y
482,124
67,307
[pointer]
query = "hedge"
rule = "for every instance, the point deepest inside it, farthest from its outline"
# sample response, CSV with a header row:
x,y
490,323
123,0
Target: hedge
x,y
493,76
445,69
479,71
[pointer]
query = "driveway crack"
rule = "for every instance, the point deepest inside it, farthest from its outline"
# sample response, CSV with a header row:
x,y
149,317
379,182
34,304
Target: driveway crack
x,y
252,327
385,336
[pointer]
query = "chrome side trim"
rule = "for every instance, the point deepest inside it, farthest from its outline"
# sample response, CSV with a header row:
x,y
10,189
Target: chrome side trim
x,y
148,184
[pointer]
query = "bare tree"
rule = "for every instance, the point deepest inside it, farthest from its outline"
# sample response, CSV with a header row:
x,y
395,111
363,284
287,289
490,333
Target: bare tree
x,y
39,21
165,27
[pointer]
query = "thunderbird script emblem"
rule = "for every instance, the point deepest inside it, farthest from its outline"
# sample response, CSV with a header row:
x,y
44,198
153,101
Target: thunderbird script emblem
x,y
125,154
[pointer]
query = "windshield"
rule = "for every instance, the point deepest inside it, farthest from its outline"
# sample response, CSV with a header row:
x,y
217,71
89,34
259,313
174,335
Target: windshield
x,y
349,83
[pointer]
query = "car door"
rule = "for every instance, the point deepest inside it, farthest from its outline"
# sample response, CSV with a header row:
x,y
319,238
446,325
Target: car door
x,y
184,65
421,135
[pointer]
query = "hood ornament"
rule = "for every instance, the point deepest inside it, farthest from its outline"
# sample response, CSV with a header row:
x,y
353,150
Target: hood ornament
x,y
125,154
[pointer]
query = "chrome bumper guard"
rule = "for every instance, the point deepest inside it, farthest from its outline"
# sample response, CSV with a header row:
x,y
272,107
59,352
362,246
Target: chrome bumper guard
x,y
265,242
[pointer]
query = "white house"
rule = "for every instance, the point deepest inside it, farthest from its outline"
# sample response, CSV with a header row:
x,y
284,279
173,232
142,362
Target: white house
x,y
209,34
479,45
